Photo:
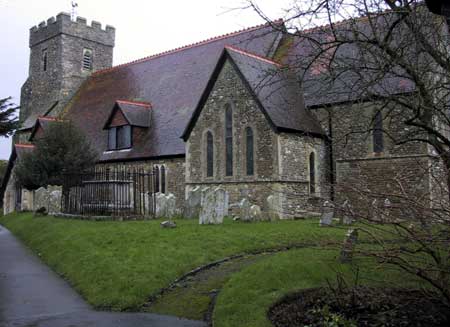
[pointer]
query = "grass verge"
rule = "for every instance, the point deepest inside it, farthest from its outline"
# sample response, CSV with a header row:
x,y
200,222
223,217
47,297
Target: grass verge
x,y
118,265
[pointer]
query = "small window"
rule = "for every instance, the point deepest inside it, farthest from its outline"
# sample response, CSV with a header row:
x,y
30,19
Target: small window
x,y
228,140
312,173
156,178
87,59
120,137
209,155
44,60
163,179
112,137
249,151
378,141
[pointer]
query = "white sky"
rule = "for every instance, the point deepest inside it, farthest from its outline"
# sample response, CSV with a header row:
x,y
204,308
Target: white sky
x,y
143,27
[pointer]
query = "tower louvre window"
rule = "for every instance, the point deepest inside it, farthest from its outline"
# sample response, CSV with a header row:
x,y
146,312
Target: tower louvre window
x,y
44,60
87,59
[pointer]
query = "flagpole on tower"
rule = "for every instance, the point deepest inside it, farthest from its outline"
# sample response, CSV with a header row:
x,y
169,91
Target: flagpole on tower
x,y
73,14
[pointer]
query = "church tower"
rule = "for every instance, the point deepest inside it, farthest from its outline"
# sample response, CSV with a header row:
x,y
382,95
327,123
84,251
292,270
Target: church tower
x,y
63,53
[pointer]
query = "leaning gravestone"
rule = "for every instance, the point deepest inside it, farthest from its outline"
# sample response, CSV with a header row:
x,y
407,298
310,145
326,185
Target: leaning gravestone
x,y
244,207
168,224
193,203
273,208
54,201
213,207
255,213
171,206
327,214
349,246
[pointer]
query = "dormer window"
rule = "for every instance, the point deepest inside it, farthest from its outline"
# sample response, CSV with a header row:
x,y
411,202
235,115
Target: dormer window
x,y
119,137
87,59
44,60
126,118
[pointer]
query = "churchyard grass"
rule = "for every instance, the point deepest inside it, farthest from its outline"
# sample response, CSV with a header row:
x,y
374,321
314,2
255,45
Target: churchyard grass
x,y
118,265
248,294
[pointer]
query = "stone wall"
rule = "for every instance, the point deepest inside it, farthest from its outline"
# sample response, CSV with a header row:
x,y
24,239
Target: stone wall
x,y
281,160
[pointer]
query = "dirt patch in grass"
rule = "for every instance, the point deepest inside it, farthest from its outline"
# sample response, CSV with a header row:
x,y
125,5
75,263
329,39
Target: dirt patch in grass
x,y
193,297
361,306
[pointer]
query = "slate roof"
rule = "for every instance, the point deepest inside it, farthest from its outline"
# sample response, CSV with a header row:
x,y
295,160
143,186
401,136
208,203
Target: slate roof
x,y
349,83
136,113
172,82
273,86
42,122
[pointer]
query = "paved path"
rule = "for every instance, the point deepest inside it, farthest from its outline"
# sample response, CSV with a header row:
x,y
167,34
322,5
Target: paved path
x,y
33,295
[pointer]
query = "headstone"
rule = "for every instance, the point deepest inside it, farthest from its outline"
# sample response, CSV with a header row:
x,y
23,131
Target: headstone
x,y
40,199
193,203
54,202
349,246
255,213
386,209
213,207
244,207
347,213
171,206
160,205
221,202
273,208
204,192
326,218
375,212
168,224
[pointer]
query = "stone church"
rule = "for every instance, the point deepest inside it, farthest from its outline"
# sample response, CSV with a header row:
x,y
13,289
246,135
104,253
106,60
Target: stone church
x,y
225,112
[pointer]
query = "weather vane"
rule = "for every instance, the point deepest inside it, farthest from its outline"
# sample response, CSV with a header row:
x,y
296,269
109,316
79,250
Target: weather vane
x,y
74,12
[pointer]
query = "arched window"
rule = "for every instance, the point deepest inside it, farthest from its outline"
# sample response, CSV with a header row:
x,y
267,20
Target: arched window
x,y
163,179
209,155
378,141
156,178
312,173
228,140
249,151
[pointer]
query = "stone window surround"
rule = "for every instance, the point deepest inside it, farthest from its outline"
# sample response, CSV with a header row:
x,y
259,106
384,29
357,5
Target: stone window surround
x,y
204,154
166,171
44,60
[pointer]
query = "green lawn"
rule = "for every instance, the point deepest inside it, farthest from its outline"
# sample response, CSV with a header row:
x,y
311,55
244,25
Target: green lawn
x,y
118,265
246,297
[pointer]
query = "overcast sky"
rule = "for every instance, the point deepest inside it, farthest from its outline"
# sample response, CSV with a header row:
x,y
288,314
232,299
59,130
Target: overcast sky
x,y
143,27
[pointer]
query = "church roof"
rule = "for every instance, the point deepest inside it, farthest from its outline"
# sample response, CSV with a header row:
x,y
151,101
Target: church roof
x,y
172,82
136,113
274,88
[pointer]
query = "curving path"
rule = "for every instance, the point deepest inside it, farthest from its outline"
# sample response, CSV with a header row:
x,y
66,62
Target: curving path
x,y
33,295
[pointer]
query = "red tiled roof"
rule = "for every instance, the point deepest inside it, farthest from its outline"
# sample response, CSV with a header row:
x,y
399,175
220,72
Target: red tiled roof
x,y
252,55
136,103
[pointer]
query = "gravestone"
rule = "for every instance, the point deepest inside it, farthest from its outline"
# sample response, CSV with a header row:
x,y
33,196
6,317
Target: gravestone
x,y
160,205
244,207
387,204
348,247
273,208
193,203
221,202
347,213
54,202
48,198
171,206
168,224
40,199
255,213
326,218
213,207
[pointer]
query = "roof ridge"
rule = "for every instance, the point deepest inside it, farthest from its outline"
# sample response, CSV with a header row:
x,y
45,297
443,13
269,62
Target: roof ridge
x,y
23,145
253,55
137,103
189,46
47,118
